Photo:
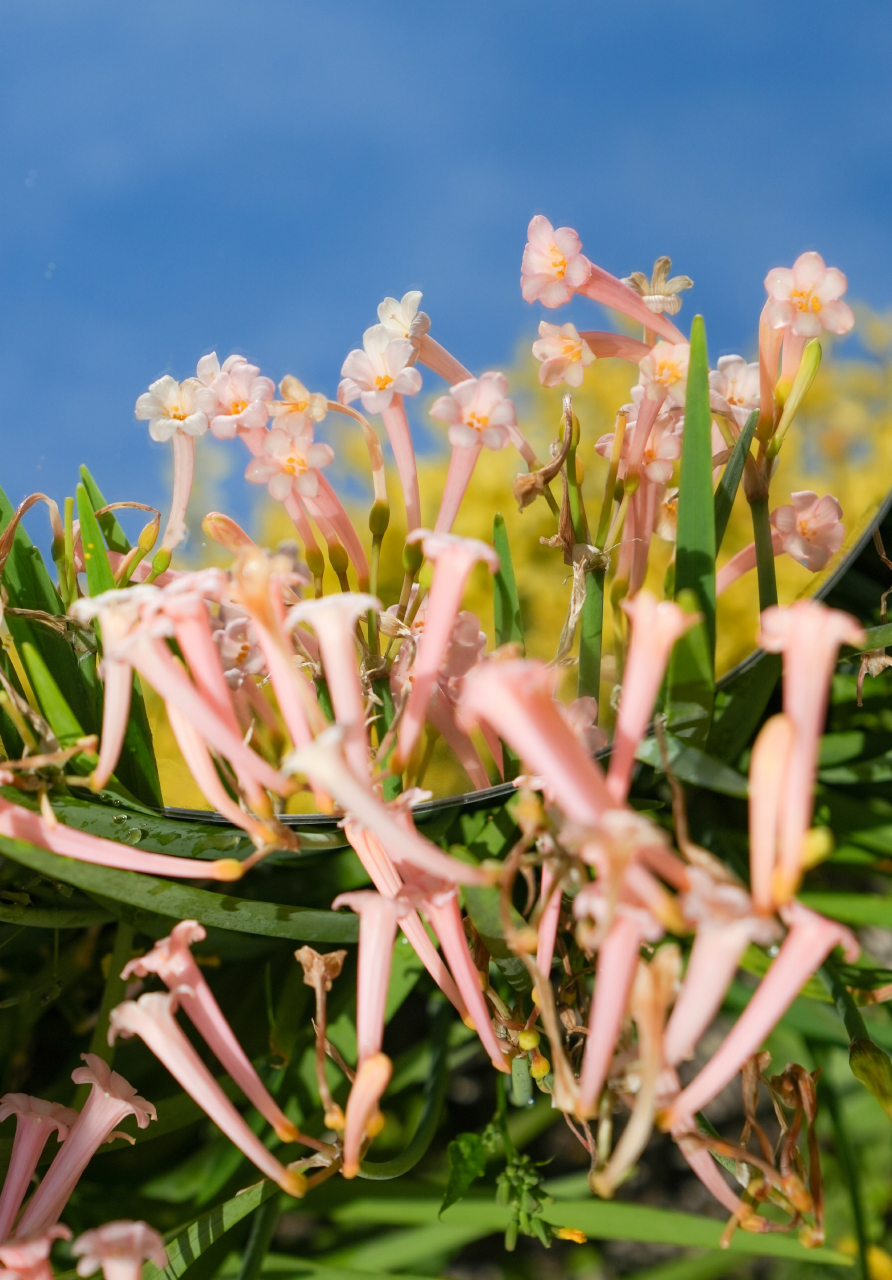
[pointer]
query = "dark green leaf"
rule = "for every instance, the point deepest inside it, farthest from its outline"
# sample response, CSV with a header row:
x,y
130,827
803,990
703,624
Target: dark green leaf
x,y
695,557
187,1244
728,485
764,554
467,1161
55,709
740,704
166,898
483,904
98,570
115,537
505,602
693,766
39,918
690,691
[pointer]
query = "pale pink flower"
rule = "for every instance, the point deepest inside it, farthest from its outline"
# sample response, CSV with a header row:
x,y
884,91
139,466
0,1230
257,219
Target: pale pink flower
x,y
363,1119
582,717
655,628
516,697
808,634
396,424
478,410
662,450
298,408
806,298
152,1019
736,384
769,762
554,265
209,367
170,406
378,920
237,398
381,370
810,940
549,918
664,371
28,1258
36,1119
291,463
403,319
240,655
811,528
172,960
110,1101
120,1249
564,354
454,559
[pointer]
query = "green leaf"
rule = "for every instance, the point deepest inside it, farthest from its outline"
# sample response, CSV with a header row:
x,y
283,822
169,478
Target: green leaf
x,y
764,554
115,537
850,908
505,601
29,586
137,767
467,1161
9,734
591,628
740,704
55,709
153,897
848,1161
599,1219
877,770
483,904
99,574
874,638
695,556
690,691
693,766
709,1266
730,481
187,1244
42,918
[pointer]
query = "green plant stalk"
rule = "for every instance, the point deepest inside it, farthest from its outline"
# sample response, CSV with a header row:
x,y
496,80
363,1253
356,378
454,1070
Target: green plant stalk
x,y
67,588
374,565
764,554
111,996
610,483
263,1228
574,489
847,1159
730,481
591,628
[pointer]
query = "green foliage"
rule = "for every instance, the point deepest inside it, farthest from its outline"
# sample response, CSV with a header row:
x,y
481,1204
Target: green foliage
x,y
467,1155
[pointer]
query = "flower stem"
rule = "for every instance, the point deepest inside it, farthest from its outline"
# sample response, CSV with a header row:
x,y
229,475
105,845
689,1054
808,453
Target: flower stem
x,y
764,554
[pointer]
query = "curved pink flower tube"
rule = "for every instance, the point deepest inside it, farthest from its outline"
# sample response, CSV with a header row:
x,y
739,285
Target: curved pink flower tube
x,y
36,1119
769,762
378,920
396,425
363,1119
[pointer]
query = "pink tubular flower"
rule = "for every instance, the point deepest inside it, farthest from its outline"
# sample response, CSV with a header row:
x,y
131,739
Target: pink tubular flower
x,y
516,698
454,559
298,408
172,960
36,1119
323,762
808,634
291,463
170,406
478,411
120,1249
655,629
550,904
564,353
769,762
151,1017
334,619
378,920
736,384
380,371
111,1100
807,945
664,371
236,398
363,1119
553,266
806,298
396,424
811,528
29,1259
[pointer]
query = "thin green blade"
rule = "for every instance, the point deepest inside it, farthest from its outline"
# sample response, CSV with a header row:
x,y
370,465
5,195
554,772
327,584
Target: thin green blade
x,y
115,537
730,481
99,574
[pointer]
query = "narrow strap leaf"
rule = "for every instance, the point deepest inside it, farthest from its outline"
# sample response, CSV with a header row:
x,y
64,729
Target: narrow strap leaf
x,y
188,1243
764,554
61,719
730,481
99,574
115,537
695,557
505,601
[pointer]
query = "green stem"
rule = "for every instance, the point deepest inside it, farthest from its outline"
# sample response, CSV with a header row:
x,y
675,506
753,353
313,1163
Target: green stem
x,y
848,1160
374,562
764,554
610,483
263,1229
591,625
111,996
855,1025
68,589
434,1096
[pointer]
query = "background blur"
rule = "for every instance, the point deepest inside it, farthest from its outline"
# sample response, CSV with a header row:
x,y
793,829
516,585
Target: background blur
x,y
179,177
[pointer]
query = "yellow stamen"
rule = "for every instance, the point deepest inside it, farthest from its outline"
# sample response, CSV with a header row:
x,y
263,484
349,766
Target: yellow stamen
x,y
383,381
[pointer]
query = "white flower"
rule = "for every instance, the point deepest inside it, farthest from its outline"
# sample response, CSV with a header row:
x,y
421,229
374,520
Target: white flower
x,y
665,370
236,398
172,406
403,319
806,298
379,372
291,463
737,384
564,354
298,406
478,411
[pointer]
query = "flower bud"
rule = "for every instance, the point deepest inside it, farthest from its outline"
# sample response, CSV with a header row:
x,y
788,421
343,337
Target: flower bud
x,y
873,1067
529,1039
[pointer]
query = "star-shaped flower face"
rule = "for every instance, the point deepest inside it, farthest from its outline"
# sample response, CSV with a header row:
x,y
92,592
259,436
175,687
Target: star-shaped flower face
x,y
236,399
478,412
564,354
664,370
403,319
290,464
380,371
172,406
554,266
806,298
298,406
811,528
737,383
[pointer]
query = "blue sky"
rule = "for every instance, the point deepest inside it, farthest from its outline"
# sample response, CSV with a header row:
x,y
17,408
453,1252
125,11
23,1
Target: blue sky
x,y
180,175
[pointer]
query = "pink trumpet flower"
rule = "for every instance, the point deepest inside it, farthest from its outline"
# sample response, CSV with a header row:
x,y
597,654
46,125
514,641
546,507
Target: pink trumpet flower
x,y
479,413
454,558
564,353
334,619
363,1119
618,345
403,319
656,626
120,1249
378,921
516,698
18,823
726,924
396,425
809,942
380,371
36,1119
235,398
769,763
326,505
664,371
151,1017
110,1101
389,884
808,635
298,406
806,298
441,714
29,1258
706,1169
223,529
172,960
290,463
811,528
323,762
770,339
174,410
736,384
615,971
742,563
550,900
